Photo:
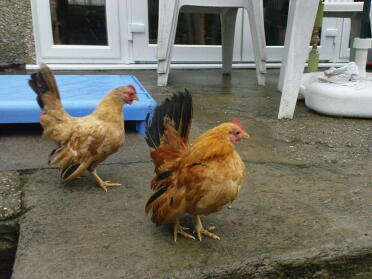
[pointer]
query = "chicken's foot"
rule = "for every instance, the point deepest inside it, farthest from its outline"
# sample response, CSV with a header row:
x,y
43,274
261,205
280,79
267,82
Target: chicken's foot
x,y
101,183
178,229
199,229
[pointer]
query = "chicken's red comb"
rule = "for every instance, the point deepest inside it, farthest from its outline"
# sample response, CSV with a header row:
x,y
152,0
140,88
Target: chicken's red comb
x,y
132,87
237,123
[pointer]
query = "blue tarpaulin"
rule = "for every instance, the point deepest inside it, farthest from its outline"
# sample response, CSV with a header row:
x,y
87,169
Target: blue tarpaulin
x,y
80,95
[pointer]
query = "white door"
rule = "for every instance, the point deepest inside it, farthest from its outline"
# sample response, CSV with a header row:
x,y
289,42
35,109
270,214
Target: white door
x,y
70,31
198,36
275,14
344,54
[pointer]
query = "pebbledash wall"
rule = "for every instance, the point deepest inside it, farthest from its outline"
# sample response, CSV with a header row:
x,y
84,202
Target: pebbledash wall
x,y
17,44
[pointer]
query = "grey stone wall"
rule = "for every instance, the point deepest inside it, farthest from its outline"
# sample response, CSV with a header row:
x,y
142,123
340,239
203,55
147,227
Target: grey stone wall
x,y
17,44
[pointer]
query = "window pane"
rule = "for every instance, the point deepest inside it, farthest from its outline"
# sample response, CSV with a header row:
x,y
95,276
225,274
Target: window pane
x,y
276,12
192,28
79,22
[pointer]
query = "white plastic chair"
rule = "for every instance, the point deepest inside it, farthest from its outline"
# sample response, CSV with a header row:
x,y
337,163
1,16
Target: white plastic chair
x,y
168,16
301,16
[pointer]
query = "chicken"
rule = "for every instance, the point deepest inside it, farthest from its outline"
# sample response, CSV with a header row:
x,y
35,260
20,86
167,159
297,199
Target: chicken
x,y
197,178
83,142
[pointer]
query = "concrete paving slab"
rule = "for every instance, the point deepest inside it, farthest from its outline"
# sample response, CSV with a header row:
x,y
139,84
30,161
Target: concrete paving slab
x,y
78,231
10,195
304,210
10,209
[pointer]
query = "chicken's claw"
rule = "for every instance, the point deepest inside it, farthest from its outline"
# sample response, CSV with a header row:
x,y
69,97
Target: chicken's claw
x,y
178,229
207,233
101,183
200,230
105,184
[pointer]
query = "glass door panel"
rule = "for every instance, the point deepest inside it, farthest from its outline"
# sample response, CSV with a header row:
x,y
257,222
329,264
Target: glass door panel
x,y
79,22
275,14
77,30
275,20
198,35
192,29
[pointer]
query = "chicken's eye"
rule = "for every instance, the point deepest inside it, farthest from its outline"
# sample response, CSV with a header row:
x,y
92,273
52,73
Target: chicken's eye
x,y
237,132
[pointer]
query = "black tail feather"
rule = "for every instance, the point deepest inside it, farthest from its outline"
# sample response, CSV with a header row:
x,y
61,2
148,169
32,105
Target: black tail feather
x,y
163,175
65,173
54,152
156,195
43,81
179,109
39,85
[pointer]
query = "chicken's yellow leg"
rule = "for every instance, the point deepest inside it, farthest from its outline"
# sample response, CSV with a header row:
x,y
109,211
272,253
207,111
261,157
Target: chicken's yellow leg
x,y
206,231
177,229
101,183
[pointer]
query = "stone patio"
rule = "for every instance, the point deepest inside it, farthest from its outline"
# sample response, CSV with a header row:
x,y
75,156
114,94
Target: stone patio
x,y
304,211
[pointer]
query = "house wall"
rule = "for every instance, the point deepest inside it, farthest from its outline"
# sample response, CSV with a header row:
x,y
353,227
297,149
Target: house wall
x,y
17,44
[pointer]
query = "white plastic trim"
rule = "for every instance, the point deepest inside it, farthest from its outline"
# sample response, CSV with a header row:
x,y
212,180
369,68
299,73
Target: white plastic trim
x,y
92,67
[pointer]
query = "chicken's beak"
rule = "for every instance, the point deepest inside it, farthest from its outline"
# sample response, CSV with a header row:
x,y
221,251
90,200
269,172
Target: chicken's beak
x,y
246,136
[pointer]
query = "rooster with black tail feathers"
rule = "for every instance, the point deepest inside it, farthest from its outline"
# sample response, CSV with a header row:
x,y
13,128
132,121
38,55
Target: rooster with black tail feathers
x,y
198,177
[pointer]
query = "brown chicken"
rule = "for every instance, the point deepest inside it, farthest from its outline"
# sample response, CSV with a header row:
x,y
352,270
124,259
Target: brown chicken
x,y
83,142
196,178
